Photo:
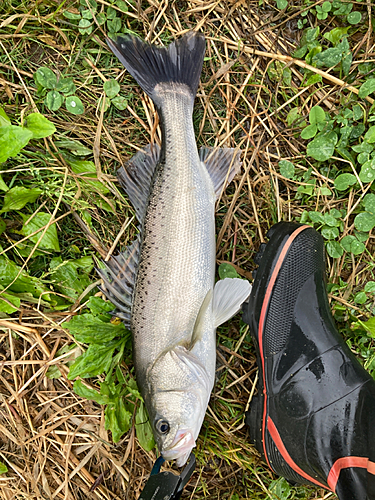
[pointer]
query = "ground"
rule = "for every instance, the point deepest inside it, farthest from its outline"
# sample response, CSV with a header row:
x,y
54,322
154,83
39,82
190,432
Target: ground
x,y
289,85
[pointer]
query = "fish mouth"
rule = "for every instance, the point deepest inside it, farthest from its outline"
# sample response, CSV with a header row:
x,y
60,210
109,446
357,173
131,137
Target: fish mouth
x,y
180,448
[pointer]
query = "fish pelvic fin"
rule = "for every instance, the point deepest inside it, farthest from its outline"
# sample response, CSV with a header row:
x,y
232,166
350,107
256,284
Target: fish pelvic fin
x,y
180,63
229,295
136,178
222,165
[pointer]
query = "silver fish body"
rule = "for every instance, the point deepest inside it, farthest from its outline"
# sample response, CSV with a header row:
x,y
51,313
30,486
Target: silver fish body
x,y
172,306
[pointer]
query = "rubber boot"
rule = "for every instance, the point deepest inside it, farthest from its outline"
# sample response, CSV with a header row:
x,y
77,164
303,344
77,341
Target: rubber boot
x,y
313,419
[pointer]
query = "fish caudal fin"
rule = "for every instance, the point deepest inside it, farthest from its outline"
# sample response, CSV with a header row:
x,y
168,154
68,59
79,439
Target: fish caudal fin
x,y
222,164
229,295
181,62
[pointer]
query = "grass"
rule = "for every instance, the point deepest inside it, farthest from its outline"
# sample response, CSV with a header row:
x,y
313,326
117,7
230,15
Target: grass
x,y
254,95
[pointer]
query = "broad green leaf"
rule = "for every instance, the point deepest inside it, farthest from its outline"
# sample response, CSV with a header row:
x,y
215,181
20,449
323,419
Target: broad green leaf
x,y
4,119
12,140
74,105
329,232
17,197
331,221
122,5
53,372
367,173
346,62
334,249
111,88
6,301
287,169
86,14
143,428
370,287
95,361
107,103
101,18
328,58
360,298
227,271
317,115
119,102
24,283
40,126
361,236
313,79
100,307
364,147
114,25
316,217
117,419
87,170
66,86
309,132
86,392
343,181
46,78
351,245
367,88
362,158
40,220
369,203
293,115
280,489
3,468
370,135
71,277
75,147
85,27
364,221
323,146
111,13
335,35
369,325
325,191
354,17
3,186
71,15
92,330
53,100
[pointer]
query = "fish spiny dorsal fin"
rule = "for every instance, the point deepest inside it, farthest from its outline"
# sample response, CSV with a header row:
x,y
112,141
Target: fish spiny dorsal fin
x,y
136,177
222,164
119,275
198,326
229,295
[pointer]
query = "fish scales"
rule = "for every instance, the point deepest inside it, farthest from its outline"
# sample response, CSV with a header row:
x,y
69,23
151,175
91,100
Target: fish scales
x,y
167,275
177,262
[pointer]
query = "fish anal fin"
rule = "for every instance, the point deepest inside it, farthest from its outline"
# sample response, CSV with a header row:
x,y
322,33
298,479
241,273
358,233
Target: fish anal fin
x,y
229,295
136,177
222,165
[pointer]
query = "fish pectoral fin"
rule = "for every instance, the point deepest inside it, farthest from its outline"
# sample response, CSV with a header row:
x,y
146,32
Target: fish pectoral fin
x,y
198,325
229,295
222,165
136,177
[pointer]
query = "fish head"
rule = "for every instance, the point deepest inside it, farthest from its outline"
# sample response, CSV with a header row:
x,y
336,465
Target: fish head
x,y
180,391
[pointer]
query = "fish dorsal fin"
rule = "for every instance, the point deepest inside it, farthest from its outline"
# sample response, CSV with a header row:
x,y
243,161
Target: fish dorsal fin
x,y
222,165
136,177
119,275
229,295
198,326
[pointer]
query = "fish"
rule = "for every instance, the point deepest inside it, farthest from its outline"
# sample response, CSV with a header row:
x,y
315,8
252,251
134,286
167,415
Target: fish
x,y
163,284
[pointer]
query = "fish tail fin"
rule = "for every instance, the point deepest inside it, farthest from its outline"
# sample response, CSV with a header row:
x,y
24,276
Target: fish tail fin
x,y
180,63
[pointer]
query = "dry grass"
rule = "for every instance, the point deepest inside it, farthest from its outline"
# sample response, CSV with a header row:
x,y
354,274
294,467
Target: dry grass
x,y
53,442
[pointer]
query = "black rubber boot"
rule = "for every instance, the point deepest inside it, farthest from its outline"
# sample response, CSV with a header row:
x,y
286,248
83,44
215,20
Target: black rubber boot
x,y
313,419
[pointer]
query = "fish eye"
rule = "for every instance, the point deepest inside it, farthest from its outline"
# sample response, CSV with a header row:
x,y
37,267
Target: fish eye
x,y
162,426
